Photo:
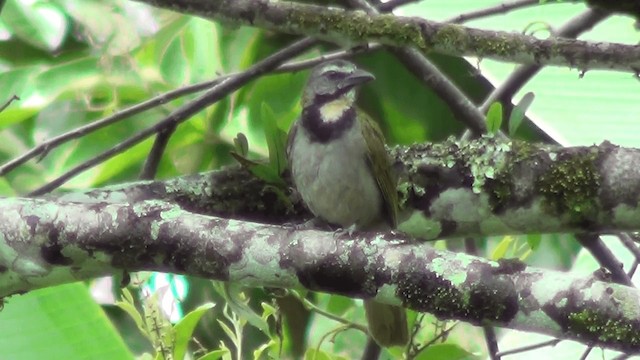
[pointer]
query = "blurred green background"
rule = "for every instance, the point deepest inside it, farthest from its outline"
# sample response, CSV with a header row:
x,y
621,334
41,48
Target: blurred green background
x,y
72,62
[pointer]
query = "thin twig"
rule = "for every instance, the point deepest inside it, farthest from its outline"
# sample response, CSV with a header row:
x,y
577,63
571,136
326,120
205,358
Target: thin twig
x,y
150,168
392,4
371,350
489,332
577,25
312,307
593,243
185,112
442,335
628,242
492,342
586,353
493,10
45,147
8,102
553,342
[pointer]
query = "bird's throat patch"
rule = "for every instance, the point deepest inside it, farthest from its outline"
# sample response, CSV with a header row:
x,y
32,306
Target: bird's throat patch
x,y
332,111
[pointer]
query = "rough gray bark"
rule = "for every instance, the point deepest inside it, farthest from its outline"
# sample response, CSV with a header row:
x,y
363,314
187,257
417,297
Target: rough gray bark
x,y
44,243
450,189
456,188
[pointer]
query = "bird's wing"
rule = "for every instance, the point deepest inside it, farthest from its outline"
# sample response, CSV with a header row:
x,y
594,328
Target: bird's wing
x,y
291,135
381,166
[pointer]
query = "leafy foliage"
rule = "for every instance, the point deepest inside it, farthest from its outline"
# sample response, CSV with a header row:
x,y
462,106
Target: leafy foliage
x,y
73,62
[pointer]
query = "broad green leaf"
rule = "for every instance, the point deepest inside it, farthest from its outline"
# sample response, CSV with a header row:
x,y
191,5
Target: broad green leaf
x,y
19,82
126,161
315,354
184,329
519,111
494,118
6,188
446,352
13,115
564,101
534,241
215,354
77,74
176,54
340,304
39,23
61,322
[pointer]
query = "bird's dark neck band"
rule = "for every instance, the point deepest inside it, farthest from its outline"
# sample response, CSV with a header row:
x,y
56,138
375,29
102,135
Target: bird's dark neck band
x,y
321,131
321,99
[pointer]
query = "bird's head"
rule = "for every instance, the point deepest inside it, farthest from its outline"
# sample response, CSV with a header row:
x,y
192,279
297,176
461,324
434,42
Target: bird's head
x,y
334,80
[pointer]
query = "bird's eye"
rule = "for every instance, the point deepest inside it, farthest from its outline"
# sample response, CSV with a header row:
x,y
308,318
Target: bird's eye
x,y
331,74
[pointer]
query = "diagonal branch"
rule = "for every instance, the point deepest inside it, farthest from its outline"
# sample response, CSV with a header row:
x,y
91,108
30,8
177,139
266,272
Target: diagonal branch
x,y
340,25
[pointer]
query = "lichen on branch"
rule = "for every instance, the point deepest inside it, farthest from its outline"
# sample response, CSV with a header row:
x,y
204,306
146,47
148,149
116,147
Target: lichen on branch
x,y
355,27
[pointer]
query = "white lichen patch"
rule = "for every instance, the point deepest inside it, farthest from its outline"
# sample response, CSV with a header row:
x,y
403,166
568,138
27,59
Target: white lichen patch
x,y
548,285
487,155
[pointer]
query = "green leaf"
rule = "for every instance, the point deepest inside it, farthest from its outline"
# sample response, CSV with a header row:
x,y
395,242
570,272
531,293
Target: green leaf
x,y
268,174
316,354
184,329
276,139
215,354
501,249
241,144
39,23
339,304
129,307
519,111
77,74
445,352
494,118
61,322
232,294
534,240
13,115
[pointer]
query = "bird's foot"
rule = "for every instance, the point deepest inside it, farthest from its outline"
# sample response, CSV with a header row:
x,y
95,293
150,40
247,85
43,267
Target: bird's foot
x,y
312,224
346,231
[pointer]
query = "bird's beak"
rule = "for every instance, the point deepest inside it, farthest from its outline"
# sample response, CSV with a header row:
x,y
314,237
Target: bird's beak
x,y
356,78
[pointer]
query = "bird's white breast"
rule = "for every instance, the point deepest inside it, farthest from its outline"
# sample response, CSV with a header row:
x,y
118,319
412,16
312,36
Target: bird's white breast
x,y
335,180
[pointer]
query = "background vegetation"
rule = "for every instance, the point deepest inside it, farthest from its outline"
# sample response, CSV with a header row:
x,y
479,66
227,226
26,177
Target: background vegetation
x,y
72,62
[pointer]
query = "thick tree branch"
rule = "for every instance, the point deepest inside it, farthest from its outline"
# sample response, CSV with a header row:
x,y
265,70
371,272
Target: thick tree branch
x,y
46,243
340,25
450,189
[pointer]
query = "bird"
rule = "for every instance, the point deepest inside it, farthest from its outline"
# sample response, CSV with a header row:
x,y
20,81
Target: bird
x,y
342,171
